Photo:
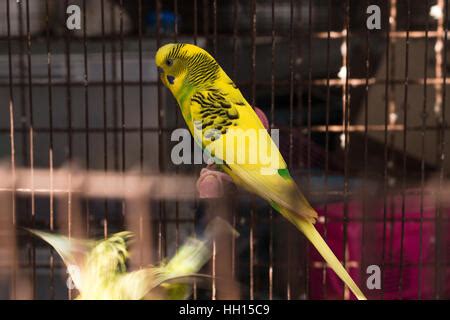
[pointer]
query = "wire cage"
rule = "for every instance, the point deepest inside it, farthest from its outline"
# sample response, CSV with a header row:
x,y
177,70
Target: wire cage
x,y
86,140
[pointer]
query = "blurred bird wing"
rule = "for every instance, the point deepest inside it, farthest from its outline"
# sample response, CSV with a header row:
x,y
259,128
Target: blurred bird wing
x,y
153,284
138,284
108,257
189,259
217,227
178,273
180,269
72,251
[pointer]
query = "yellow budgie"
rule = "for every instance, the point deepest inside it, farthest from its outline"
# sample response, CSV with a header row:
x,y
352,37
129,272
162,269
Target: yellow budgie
x,y
98,268
218,115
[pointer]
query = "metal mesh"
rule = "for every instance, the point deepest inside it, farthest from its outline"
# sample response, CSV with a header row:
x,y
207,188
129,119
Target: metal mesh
x,y
362,116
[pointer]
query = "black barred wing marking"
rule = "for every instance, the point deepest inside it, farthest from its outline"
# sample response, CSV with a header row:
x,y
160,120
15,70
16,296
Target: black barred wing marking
x,y
213,113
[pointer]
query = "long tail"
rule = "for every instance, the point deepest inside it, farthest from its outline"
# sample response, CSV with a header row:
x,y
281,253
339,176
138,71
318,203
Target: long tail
x,y
316,239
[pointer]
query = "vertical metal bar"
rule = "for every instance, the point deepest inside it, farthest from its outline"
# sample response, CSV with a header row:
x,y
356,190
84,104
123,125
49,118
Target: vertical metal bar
x,y
424,117
10,71
105,122
272,125
215,27
309,115
393,116
69,132
24,130
327,144
12,144
141,127
438,65
141,91
122,99
310,32
386,149
438,110
206,18
194,287
195,21
86,110
235,37
51,144
68,203
113,87
213,272
291,128
392,103
405,125
68,93
234,71
22,92
364,229
214,254
175,23
253,99
31,151
438,244
346,114
122,88
177,206
160,122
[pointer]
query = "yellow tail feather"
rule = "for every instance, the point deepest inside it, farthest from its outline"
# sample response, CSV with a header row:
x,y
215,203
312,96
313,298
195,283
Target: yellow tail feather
x,y
316,239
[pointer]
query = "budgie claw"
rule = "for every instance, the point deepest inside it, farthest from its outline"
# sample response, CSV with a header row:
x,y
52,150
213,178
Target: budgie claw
x,y
210,184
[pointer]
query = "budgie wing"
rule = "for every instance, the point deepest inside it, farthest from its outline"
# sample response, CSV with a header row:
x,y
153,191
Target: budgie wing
x,y
169,280
72,251
230,131
182,268
138,284
109,256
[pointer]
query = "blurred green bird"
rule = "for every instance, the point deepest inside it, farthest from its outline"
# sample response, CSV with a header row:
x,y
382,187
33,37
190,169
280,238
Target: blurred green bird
x,y
99,272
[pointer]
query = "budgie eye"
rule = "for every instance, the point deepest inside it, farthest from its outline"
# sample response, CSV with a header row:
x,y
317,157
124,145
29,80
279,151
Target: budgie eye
x,y
169,62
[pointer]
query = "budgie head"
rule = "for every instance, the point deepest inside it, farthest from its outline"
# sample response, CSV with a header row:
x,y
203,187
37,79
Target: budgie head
x,y
185,66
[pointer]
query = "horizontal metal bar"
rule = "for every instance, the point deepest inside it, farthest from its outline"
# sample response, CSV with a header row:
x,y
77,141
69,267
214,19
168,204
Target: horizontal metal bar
x,y
333,82
98,184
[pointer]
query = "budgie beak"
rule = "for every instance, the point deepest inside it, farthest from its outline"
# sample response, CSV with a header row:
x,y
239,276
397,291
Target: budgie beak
x,y
166,79
161,75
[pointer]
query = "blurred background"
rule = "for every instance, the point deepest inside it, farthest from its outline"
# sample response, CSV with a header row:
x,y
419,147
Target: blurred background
x,y
361,113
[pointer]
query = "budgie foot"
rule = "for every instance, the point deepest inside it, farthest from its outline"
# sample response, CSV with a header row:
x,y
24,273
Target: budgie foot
x,y
211,183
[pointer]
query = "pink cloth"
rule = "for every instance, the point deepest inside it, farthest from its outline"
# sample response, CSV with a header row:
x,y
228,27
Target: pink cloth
x,y
262,117
210,185
374,249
